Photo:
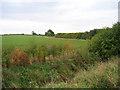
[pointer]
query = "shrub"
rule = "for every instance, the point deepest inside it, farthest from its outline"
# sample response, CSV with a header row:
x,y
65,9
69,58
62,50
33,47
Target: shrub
x,y
19,57
106,43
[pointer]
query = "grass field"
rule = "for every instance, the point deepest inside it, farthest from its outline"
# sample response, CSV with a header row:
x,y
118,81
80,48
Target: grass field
x,y
20,40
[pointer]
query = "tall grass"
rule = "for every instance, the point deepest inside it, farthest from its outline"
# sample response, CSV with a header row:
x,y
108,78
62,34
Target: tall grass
x,y
39,53
53,71
102,75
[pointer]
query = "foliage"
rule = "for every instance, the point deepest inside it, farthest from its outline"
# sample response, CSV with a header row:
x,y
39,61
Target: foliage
x,y
62,74
37,75
49,33
106,43
85,35
53,71
102,75
33,33
19,57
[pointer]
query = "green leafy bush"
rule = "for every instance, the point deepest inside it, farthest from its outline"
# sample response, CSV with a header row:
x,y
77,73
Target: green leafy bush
x,y
106,43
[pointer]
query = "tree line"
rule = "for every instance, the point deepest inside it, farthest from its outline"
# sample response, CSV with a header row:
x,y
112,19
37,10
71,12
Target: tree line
x,y
85,35
49,33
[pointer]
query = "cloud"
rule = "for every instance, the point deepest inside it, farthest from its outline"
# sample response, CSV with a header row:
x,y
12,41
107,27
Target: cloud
x,y
21,1
22,16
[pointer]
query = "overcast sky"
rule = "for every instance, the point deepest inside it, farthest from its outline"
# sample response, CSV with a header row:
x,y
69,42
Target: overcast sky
x,y
67,16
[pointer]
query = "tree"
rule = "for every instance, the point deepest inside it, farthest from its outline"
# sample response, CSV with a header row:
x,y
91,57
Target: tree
x,y
106,43
49,33
33,33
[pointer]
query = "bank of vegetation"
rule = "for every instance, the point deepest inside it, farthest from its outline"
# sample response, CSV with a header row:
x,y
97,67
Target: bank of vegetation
x,y
91,66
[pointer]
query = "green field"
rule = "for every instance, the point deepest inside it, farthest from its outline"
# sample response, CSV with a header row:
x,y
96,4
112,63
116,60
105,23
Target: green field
x,y
20,40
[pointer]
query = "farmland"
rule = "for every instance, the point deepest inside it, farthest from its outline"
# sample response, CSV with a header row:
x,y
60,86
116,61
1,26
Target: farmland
x,y
19,41
39,61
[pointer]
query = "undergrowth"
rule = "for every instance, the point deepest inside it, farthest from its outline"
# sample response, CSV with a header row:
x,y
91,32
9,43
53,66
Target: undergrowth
x,y
102,75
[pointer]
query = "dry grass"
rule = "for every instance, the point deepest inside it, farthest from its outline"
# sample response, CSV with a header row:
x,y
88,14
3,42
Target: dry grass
x,y
102,75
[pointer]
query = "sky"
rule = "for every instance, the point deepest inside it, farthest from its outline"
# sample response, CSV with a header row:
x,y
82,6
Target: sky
x,y
62,16
119,11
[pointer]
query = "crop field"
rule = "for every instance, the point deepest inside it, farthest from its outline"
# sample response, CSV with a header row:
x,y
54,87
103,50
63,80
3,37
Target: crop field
x,y
20,40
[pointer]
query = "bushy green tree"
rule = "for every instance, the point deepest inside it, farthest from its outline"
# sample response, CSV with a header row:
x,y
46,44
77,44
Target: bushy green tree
x,y
49,33
33,33
106,43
